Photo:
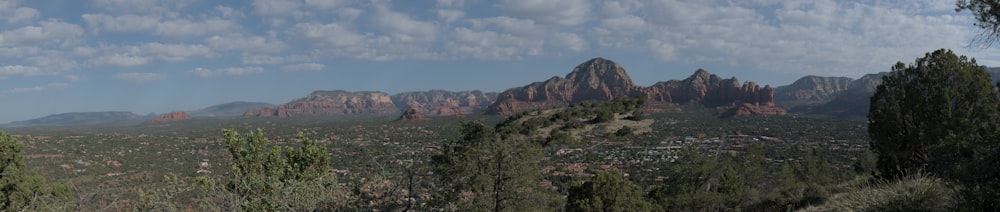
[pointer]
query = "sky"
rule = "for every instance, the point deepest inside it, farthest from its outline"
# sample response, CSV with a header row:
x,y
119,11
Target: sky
x,y
157,56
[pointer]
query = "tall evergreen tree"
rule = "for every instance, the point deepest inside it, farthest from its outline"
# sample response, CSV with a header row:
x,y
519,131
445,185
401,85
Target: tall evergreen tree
x,y
484,172
932,116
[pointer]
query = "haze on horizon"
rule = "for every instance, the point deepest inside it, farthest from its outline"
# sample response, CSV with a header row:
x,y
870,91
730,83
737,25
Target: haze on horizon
x,y
166,55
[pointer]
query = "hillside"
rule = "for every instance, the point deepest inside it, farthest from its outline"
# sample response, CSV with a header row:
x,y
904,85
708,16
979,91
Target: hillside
x,y
82,118
617,119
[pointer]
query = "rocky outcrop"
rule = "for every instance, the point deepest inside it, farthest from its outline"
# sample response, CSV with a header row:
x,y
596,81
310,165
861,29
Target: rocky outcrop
x,y
600,79
445,103
812,88
338,102
728,95
596,79
411,114
170,117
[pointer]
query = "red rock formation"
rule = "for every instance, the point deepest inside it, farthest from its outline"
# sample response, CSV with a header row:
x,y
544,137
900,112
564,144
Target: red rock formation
x,y
596,79
411,114
600,79
445,103
331,103
171,117
747,109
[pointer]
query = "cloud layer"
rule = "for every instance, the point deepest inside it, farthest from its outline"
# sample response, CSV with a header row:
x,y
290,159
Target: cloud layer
x,y
244,38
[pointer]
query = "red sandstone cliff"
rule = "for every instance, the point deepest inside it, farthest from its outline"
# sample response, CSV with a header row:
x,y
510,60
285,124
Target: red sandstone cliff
x,y
445,103
171,117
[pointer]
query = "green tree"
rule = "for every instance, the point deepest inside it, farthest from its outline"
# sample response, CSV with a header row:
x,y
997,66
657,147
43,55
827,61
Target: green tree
x,y
268,177
607,191
485,171
987,13
21,187
934,115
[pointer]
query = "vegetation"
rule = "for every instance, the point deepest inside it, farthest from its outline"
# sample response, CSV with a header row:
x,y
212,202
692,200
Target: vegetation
x,y
266,177
987,13
607,191
21,187
565,161
486,171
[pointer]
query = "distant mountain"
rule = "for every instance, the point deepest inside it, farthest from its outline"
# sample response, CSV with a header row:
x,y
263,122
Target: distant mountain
x,y
82,118
600,79
853,102
337,102
812,89
444,103
231,109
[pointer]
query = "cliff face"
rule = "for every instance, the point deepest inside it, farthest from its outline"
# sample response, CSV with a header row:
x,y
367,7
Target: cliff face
x,y
597,79
445,103
171,117
812,88
331,103
600,79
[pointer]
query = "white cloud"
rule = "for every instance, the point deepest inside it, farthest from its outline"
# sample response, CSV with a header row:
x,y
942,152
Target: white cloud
x,y
176,52
326,4
468,43
229,12
305,67
19,70
120,60
39,88
262,59
504,24
333,33
123,23
276,7
403,28
147,53
172,28
558,12
140,77
49,32
449,16
23,14
231,71
186,28
240,42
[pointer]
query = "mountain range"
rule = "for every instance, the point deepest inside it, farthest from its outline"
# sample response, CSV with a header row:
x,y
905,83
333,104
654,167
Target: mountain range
x,y
597,79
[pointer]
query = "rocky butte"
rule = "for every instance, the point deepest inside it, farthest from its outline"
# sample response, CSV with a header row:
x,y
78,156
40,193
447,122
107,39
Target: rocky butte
x,y
600,79
411,114
332,103
170,117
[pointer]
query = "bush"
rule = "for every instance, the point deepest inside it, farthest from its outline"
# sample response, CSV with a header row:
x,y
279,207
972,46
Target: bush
x,y
914,193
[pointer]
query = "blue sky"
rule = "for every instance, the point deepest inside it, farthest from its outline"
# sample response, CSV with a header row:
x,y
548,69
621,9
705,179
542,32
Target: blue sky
x,y
165,55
